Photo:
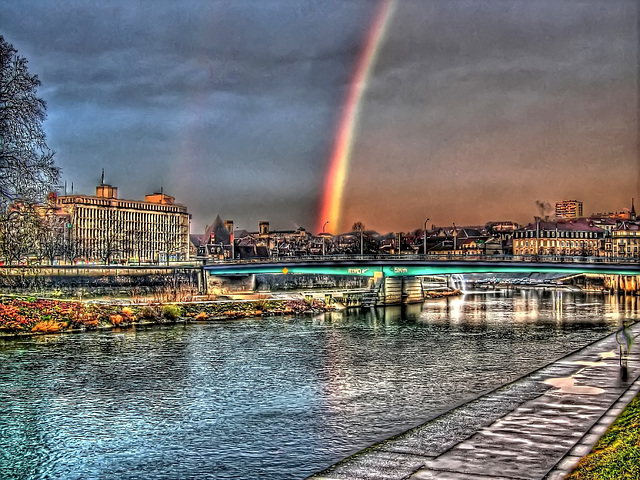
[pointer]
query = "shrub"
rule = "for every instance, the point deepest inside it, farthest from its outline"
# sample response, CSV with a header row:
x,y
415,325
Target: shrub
x,y
47,326
171,312
202,316
91,323
149,313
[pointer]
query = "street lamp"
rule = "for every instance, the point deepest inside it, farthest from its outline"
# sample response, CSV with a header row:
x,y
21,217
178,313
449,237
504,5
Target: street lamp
x,y
537,236
233,243
455,239
323,225
424,238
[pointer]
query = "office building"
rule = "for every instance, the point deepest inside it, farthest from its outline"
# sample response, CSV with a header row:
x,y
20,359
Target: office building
x,y
106,229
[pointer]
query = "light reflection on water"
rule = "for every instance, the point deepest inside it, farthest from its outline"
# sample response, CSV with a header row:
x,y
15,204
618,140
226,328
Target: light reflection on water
x,y
271,398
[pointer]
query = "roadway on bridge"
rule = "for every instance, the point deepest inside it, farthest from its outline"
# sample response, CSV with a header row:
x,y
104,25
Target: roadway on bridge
x,y
404,266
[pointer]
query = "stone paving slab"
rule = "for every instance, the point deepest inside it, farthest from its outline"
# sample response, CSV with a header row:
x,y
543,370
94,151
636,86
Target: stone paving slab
x,y
381,466
586,443
536,427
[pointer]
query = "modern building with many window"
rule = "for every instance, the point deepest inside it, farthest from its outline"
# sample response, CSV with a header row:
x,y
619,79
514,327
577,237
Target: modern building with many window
x,y
569,209
107,229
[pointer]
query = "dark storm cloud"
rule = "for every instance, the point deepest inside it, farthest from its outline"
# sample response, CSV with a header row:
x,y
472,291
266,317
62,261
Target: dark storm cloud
x,y
213,100
471,54
231,106
132,55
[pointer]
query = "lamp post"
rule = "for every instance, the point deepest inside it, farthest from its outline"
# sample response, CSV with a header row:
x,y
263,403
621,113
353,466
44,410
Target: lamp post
x,y
424,238
455,239
233,242
323,225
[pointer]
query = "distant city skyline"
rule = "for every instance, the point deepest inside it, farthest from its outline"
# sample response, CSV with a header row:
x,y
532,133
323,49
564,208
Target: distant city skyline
x,y
470,111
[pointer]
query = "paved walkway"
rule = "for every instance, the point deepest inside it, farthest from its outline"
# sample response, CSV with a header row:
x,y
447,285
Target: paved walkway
x,y
537,427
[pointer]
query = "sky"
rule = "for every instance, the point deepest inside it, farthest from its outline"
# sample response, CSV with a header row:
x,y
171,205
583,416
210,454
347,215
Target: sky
x,y
469,110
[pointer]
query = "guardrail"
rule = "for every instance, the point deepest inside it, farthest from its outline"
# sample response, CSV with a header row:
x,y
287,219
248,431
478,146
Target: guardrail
x,y
93,269
559,259
419,257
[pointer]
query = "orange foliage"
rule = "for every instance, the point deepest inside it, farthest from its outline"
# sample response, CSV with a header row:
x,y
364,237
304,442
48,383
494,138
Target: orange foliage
x,y
47,326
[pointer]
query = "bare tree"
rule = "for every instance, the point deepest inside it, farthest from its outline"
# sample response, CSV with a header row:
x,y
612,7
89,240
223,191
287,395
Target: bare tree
x,y
365,242
51,236
27,172
357,227
74,248
19,234
133,244
172,233
111,240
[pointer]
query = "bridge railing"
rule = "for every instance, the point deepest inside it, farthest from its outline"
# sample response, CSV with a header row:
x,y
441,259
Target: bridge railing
x,y
560,259
431,257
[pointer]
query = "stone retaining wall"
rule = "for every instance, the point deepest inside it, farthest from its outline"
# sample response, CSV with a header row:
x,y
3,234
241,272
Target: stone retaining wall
x,y
86,282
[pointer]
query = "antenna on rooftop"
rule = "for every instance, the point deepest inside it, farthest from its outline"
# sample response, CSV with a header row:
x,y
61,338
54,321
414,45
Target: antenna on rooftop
x,y
102,179
71,188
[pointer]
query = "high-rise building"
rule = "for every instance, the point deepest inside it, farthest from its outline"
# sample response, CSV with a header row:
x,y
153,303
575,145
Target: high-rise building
x,y
107,229
569,209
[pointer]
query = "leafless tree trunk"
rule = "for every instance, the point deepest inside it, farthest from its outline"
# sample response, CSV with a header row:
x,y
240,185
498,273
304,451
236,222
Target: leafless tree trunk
x,y
27,172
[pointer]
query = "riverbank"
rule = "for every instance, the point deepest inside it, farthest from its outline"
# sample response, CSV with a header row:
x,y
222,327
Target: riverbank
x,y
31,316
616,453
28,315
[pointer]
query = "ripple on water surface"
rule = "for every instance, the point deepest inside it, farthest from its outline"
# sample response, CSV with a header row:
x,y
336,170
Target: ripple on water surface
x,y
276,398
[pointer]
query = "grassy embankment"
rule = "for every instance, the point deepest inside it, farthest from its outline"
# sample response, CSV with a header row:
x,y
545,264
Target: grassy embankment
x,y
19,316
616,456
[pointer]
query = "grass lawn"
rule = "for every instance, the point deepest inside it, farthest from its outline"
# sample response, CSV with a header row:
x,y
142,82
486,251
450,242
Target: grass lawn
x,y
617,454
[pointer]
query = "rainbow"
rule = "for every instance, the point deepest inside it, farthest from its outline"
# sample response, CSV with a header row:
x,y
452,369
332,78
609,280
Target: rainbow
x,y
331,199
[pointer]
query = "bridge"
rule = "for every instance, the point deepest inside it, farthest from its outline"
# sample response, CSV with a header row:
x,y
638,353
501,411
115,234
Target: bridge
x,y
420,265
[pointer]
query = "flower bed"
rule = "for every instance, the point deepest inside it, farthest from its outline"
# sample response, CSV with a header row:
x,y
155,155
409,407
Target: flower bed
x,y
32,315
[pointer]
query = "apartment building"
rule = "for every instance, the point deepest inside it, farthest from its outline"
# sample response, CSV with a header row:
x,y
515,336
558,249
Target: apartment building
x,y
559,238
625,240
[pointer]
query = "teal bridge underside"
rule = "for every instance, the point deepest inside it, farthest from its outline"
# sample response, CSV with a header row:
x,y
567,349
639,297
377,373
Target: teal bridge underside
x,y
419,267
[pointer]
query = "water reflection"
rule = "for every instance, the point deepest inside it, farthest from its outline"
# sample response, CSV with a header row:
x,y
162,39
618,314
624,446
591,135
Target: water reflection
x,y
272,398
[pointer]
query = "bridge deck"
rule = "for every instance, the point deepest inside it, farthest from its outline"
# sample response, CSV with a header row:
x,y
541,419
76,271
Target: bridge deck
x,y
418,265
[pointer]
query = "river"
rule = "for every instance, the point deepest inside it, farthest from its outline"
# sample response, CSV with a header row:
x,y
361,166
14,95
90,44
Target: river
x,y
271,398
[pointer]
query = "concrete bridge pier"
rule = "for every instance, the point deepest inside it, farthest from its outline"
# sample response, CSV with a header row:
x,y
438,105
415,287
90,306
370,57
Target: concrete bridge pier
x,y
399,290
